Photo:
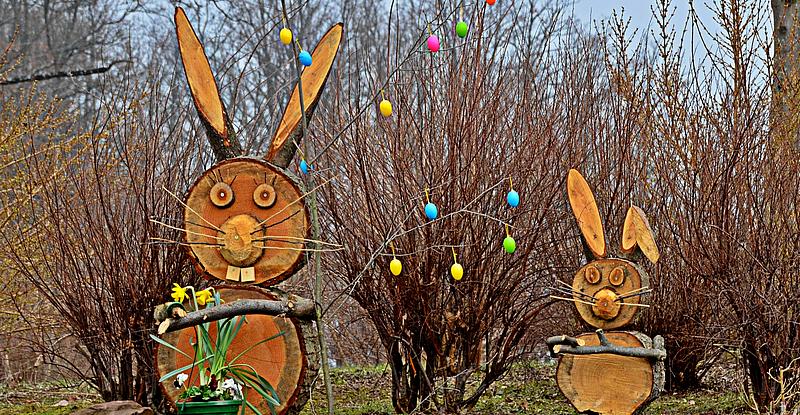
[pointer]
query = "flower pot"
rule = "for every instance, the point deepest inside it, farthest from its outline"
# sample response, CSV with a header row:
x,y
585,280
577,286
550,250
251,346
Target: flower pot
x,y
229,407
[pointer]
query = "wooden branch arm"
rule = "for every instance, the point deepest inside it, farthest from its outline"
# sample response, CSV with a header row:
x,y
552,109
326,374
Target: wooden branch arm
x,y
301,308
571,345
561,340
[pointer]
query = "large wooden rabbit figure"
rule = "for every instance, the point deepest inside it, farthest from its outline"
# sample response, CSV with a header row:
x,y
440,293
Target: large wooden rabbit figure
x,y
246,223
616,372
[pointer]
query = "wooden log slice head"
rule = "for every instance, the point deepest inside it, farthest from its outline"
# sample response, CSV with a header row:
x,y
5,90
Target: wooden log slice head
x,y
313,81
584,207
602,283
605,383
281,360
246,221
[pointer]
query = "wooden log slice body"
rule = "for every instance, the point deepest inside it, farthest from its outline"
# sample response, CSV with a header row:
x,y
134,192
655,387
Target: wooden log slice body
x,y
634,278
609,384
255,244
282,360
313,78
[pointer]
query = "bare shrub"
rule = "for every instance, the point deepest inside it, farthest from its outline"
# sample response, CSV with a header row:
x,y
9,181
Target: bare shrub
x,y
463,124
86,238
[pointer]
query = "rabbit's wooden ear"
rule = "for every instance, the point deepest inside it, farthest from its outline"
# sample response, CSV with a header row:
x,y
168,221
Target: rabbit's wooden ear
x,y
287,136
637,234
202,84
584,207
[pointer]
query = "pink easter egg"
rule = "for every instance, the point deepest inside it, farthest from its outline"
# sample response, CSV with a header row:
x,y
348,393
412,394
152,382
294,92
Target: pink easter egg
x,y
433,43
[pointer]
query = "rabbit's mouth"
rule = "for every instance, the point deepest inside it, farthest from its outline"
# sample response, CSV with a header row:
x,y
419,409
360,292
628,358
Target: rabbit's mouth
x,y
241,247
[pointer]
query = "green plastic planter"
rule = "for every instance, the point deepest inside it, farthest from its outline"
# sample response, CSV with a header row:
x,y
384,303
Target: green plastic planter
x,y
230,407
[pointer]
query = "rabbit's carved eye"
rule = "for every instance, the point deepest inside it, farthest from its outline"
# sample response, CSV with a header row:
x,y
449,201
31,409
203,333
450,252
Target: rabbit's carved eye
x,y
617,277
264,196
592,275
221,195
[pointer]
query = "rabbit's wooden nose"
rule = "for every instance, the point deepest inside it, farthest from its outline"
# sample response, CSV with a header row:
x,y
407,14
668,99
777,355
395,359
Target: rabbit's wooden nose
x,y
605,305
240,247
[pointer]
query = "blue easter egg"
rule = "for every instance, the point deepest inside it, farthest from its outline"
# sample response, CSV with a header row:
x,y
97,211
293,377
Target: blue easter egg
x,y
513,198
303,166
305,58
431,211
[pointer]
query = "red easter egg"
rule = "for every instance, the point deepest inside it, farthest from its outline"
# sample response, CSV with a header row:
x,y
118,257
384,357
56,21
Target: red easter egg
x,y
490,2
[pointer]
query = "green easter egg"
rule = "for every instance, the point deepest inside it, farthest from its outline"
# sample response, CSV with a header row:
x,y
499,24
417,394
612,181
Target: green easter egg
x,y
461,29
509,244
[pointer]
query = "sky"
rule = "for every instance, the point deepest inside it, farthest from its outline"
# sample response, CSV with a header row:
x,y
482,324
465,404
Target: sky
x,y
589,11
640,12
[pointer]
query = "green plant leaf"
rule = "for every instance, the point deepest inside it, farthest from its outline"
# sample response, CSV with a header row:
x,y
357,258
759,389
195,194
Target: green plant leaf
x,y
165,343
179,370
250,377
254,409
232,361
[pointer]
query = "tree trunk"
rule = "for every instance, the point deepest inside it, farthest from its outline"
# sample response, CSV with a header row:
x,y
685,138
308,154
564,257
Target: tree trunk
x,y
786,82
759,362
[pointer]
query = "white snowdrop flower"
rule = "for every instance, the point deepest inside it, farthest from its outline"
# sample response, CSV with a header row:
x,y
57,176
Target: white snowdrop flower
x,y
181,379
234,388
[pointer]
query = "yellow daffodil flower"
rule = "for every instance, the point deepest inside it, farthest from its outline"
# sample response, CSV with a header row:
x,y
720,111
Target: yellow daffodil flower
x,y
178,293
204,296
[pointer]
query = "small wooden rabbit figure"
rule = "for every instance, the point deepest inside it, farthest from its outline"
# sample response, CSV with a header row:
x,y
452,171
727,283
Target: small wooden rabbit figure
x,y
618,372
246,224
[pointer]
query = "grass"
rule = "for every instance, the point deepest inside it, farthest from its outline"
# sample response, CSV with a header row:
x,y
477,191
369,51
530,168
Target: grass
x,y
527,389
45,399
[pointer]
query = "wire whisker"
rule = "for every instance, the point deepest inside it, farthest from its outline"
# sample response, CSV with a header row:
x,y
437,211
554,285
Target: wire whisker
x,y
286,248
263,228
573,291
571,299
293,202
192,210
621,297
162,241
185,230
284,238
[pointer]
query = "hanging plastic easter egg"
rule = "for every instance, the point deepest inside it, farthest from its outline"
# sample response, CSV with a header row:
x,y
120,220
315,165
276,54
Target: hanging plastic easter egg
x,y
431,211
490,2
304,166
305,58
509,244
286,36
461,29
433,43
386,108
457,271
396,267
513,198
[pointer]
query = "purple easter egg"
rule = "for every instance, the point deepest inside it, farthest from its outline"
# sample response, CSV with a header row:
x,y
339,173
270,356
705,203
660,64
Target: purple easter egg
x,y
433,43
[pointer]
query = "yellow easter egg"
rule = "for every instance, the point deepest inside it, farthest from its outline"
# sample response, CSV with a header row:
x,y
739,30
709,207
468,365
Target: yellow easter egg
x,y
286,36
396,267
457,271
386,108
